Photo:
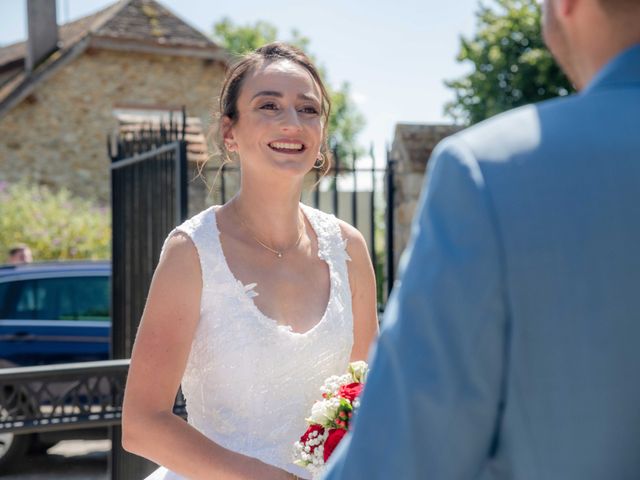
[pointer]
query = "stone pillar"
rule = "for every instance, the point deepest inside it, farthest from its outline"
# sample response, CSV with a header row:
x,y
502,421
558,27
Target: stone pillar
x,y
411,149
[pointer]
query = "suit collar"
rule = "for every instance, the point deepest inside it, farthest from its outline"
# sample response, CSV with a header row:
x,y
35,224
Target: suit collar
x,y
623,69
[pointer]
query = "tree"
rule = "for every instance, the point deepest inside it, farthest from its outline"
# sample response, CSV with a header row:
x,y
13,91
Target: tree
x,y
41,218
345,121
511,64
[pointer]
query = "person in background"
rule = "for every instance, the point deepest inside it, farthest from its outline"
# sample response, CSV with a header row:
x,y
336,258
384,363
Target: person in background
x,y
19,254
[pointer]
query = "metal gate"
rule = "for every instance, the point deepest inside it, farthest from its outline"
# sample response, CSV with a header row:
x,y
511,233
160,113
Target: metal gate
x,y
149,198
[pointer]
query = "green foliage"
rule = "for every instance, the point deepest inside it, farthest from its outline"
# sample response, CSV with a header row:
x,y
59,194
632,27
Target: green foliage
x,y
511,64
56,226
241,39
345,121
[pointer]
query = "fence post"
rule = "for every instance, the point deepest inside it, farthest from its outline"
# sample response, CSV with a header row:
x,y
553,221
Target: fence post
x,y
354,192
390,214
336,172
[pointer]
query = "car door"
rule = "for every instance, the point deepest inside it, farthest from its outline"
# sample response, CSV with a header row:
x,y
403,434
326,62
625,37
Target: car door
x,y
55,319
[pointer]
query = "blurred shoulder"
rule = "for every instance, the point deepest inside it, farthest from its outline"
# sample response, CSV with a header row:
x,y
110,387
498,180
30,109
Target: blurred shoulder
x,y
519,132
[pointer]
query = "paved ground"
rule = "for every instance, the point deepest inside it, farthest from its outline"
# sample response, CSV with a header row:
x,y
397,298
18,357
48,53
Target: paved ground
x,y
70,459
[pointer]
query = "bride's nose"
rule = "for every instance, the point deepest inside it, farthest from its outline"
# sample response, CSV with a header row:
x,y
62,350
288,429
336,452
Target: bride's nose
x,y
290,121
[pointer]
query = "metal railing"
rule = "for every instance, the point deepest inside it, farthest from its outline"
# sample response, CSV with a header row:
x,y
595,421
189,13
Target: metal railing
x,y
65,397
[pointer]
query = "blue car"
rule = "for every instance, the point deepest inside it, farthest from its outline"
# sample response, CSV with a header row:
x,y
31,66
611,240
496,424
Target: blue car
x,y
52,313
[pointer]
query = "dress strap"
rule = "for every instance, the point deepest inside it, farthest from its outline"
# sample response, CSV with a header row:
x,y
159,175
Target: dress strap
x,y
201,229
332,247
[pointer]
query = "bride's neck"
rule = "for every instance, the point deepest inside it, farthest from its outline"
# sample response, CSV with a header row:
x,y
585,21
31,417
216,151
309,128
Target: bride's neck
x,y
272,215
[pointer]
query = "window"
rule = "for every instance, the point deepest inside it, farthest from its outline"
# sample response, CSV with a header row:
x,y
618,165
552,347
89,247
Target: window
x,y
71,298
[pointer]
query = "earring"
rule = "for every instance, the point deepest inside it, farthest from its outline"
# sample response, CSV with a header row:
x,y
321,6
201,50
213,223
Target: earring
x,y
320,161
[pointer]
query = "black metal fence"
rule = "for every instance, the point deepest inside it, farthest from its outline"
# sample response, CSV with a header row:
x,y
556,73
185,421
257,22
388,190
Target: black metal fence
x,y
149,198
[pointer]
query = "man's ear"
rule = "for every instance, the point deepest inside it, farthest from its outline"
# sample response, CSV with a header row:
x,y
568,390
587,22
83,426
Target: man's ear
x,y
227,134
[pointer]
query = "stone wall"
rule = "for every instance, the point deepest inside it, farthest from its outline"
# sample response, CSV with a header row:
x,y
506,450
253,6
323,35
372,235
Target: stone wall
x,y
411,149
57,135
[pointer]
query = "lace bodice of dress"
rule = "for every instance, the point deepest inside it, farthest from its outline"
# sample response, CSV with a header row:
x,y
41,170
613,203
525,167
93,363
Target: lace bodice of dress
x,y
249,383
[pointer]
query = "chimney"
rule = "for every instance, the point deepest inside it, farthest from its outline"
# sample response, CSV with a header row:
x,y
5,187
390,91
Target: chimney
x,y
43,31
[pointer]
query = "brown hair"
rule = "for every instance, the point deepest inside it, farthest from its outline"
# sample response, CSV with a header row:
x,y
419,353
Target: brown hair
x,y
269,53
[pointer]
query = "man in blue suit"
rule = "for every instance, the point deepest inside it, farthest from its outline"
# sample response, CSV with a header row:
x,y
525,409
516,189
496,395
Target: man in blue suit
x,y
511,345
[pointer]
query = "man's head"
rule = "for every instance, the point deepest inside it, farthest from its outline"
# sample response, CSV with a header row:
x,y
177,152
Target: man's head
x,y
19,254
584,35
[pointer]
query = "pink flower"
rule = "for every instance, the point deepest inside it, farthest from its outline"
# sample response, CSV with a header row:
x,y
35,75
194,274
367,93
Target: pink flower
x,y
350,391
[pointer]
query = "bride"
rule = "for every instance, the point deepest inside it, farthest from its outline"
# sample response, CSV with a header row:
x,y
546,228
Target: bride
x,y
254,303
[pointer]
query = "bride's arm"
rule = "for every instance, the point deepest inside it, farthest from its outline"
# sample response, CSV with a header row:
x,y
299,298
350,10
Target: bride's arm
x,y
149,427
363,293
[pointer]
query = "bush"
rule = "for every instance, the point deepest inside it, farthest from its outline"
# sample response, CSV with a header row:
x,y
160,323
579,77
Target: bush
x,y
55,225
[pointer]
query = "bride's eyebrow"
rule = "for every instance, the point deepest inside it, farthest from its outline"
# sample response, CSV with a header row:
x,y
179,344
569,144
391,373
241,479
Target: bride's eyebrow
x,y
274,93
268,93
304,96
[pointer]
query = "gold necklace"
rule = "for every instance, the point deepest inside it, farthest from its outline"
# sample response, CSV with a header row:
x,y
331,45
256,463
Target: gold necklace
x,y
278,253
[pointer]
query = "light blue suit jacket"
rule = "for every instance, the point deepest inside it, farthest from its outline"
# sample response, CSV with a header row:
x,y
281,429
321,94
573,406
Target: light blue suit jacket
x,y
511,346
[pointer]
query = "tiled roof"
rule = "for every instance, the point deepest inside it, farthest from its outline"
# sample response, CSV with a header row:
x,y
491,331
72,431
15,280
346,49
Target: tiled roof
x,y
138,20
127,25
149,21
68,34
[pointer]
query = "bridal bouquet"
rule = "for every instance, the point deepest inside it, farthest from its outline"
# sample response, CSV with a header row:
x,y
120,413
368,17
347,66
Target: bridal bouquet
x,y
330,417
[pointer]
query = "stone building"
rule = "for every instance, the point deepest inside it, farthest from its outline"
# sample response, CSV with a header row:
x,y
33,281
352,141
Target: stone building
x,y
411,149
66,88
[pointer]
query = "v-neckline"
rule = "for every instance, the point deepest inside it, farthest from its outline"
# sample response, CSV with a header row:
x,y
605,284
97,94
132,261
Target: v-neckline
x,y
245,289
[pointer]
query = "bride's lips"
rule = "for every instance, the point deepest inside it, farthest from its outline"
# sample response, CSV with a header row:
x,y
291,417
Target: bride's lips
x,y
287,145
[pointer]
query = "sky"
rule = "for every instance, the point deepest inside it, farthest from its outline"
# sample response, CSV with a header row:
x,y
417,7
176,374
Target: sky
x,y
395,54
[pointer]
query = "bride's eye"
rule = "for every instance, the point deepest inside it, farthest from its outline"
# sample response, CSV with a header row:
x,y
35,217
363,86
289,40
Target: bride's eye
x,y
310,110
269,106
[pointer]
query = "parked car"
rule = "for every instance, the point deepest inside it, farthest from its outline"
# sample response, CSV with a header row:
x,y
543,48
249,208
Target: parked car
x,y
52,313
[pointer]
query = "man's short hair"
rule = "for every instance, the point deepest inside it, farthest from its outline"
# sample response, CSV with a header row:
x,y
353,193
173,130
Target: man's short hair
x,y
17,248
619,7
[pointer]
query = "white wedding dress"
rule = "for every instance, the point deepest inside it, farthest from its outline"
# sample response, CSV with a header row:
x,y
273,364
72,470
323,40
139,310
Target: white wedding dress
x,y
249,382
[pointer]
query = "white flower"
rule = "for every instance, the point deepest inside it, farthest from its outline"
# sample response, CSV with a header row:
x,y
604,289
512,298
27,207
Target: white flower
x,y
333,384
358,371
324,411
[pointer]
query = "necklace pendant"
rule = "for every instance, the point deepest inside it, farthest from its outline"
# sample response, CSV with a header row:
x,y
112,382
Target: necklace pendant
x,y
279,254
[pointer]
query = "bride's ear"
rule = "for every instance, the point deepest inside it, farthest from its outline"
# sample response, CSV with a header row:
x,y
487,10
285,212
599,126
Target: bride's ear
x,y
227,134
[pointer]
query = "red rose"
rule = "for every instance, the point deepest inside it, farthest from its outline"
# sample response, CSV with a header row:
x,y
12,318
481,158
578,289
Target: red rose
x,y
332,441
307,435
350,391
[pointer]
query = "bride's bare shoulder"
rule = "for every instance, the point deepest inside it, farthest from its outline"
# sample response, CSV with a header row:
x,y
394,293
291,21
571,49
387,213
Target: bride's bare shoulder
x,y
179,258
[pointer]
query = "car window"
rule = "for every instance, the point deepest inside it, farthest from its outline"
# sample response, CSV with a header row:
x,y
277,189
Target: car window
x,y
4,287
71,298
24,301
86,299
